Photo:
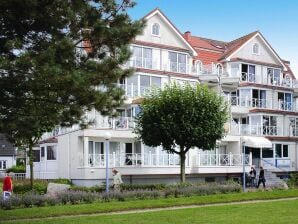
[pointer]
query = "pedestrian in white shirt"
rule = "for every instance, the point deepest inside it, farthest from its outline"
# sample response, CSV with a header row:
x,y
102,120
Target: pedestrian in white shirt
x,y
117,180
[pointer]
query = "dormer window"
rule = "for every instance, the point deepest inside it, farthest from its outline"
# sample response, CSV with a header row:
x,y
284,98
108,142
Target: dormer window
x,y
155,29
255,49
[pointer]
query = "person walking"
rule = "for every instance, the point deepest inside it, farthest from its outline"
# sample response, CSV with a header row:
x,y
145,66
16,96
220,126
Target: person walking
x,y
117,180
252,174
261,177
7,187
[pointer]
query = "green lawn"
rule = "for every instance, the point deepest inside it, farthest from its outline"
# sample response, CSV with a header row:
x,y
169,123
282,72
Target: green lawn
x,y
264,212
55,211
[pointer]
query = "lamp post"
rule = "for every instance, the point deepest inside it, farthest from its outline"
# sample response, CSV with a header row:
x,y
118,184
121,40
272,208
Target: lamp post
x,y
107,137
243,165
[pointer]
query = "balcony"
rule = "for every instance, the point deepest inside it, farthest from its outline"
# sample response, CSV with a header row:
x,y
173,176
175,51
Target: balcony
x,y
261,103
255,130
166,160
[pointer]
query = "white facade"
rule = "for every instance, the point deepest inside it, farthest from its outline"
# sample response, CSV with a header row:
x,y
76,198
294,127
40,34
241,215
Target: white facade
x,y
259,101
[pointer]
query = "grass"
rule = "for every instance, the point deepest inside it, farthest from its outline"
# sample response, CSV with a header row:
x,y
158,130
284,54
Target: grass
x,y
277,212
55,211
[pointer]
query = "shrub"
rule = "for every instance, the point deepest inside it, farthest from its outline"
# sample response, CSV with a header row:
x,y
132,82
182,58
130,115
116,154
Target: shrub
x,y
17,169
61,181
97,189
293,181
76,197
23,186
13,201
32,199
131,187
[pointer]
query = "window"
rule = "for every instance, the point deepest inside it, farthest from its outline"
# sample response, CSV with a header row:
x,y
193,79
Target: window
x,y
148,81
285,101
51,153
273,76
269,125
96,151
281,151
219,69
42,151
255,49
287,80
197,67
177,62
248,73
258,98
3,164
36,155
142,57
155,29
293,123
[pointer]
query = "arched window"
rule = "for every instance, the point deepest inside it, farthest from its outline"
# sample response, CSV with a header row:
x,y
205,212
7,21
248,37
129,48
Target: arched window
x,y
287,80
255,48
155,29
197,66
219,69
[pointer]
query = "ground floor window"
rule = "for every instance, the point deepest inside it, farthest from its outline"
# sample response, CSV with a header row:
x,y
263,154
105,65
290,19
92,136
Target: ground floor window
x,y
281,151
51,153
36,155
3,164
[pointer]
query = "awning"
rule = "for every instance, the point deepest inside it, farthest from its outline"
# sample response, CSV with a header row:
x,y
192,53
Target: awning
x,y
256,142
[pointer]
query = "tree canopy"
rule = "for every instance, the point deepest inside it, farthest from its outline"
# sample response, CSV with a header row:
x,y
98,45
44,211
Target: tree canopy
x,y
180,118
59,59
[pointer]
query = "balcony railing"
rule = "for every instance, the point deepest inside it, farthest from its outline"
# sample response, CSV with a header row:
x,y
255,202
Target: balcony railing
x,y
165,160
248,77
261,103
257,130
222,160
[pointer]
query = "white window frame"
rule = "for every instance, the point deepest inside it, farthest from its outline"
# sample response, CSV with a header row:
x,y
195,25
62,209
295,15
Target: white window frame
x,y
152,29
258,48
282,150
178,70
2,162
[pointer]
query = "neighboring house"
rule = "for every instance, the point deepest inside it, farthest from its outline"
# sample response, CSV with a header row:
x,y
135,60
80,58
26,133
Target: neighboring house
x,y
7,154
259,86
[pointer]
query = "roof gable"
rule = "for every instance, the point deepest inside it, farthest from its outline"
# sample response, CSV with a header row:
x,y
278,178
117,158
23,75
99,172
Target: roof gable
x,y
168,31
235,46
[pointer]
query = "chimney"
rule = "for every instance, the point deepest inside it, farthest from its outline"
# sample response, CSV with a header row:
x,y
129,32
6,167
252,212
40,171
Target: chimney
x,y
187,35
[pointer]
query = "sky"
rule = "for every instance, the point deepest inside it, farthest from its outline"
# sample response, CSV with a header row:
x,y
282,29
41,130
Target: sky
x,y
226,20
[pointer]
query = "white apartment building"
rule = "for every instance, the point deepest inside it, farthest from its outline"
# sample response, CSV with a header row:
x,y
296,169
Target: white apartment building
x,y
258,84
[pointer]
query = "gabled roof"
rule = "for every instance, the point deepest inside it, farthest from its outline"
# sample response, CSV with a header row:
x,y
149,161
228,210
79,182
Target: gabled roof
x,y
157,11
200,42
228,49
233,46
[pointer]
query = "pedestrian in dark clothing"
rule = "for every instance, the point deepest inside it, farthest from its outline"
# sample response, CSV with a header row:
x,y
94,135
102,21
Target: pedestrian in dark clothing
x,y
261,177
252,175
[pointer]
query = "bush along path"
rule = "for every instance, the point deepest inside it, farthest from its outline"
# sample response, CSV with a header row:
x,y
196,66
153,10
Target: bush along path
x,y
125,206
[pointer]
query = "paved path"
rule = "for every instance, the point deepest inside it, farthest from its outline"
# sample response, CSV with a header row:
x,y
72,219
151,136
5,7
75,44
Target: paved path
x,y
158,209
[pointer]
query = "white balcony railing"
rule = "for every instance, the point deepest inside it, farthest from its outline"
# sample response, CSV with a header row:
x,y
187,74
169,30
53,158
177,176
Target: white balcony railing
x,y
165,160
261,103
257,130
222,160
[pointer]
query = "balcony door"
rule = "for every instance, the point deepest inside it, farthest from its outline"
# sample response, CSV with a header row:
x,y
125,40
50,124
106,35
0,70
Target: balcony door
x,y
285,101
177,62
248,73
269,125
258,98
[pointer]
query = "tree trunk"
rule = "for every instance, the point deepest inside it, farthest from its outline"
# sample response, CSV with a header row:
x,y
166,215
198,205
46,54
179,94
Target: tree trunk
x,y
182,167
30,155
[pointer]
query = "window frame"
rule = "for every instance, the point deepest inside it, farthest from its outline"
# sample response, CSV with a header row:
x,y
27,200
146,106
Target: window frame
x,y
258,49
3,164
283,150
54,153
158,29
178,69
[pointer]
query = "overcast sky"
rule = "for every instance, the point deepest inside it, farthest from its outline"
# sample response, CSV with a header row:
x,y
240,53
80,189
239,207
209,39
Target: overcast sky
x,y
226,20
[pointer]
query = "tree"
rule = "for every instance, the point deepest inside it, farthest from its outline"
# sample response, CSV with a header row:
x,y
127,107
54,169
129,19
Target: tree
x,y
59,59
180,118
